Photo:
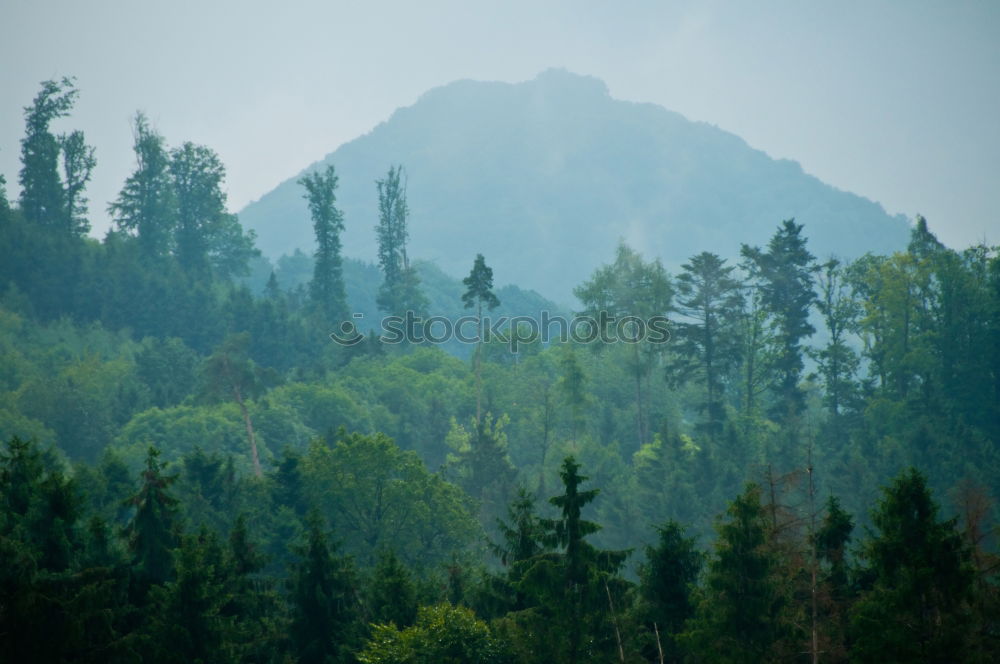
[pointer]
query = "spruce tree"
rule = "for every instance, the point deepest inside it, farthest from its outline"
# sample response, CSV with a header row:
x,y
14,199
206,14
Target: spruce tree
x,y
154,529
323,601
739,616
666,583
917,580
572,586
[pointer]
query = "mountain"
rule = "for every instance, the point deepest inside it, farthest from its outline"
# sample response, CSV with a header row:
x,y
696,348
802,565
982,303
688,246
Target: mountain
x,y
545,177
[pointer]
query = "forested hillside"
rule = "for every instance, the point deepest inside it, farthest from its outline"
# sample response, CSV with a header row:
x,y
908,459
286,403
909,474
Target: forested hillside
x,y
193,469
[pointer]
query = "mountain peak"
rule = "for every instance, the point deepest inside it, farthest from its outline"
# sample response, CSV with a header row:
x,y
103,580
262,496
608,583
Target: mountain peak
x,y
545,176
560,81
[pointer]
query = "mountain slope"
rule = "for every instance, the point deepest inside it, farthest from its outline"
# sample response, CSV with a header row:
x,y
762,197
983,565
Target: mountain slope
x,y
544,177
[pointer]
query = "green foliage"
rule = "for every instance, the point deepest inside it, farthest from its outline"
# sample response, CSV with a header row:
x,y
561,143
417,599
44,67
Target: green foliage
x,y
667,582
48,198
443,634
378,496
146,205
739,613
154,529
783,275
628,289
569,584
917,578
324,601
705,345
392,594
400,291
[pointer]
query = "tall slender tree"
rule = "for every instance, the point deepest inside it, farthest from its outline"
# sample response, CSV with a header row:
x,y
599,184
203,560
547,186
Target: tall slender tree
x,y
78,162
400,290
42,195
572,581
231,374
327,286
837,362
479,292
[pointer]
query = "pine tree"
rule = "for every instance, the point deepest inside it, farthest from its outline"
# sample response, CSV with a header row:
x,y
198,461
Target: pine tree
x,y
835,592
327,286
231,374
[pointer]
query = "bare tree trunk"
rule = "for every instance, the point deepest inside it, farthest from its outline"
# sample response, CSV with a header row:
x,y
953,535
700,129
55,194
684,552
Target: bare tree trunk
x,y
813,562
614,621
659,647
479,374
250,433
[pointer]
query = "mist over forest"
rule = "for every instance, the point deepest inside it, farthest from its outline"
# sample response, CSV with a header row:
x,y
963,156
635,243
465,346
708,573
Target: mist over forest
x,y
768,432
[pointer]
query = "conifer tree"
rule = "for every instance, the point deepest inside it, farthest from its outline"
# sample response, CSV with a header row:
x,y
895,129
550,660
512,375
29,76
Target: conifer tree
x,y
739,615
667,580
918,578
186,619
571,587
706,343
154,529
323,601
392,594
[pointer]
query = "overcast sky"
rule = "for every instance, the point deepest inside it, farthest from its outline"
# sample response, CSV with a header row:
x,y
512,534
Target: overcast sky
x,y
896,101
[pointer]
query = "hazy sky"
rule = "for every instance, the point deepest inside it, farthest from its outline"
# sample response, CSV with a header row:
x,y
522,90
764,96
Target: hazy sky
x,y
897,101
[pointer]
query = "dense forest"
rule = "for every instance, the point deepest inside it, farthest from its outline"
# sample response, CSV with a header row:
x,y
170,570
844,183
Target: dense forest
x,y
193,470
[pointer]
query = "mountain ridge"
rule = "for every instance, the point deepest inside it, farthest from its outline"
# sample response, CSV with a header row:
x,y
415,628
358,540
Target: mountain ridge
x,y
516,170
